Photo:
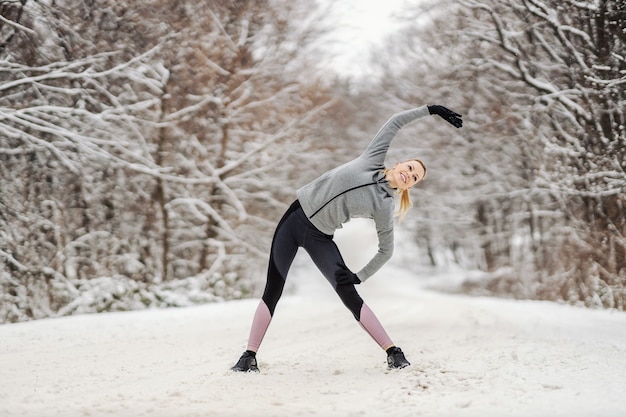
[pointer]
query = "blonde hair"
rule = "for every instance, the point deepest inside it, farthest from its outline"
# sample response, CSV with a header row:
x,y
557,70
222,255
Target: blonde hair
x,y
405,197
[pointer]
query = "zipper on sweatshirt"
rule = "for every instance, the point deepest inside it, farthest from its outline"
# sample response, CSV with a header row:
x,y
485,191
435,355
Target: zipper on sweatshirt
x,y
339,195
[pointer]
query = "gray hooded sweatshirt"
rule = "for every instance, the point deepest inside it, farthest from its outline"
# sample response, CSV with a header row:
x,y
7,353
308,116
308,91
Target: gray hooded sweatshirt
x,y
358,189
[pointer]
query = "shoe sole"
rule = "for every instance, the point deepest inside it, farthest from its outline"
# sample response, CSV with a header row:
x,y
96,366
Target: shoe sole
x,y
404,365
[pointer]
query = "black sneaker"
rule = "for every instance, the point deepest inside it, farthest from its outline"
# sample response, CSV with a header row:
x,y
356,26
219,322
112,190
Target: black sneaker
x,y
396,359
247,363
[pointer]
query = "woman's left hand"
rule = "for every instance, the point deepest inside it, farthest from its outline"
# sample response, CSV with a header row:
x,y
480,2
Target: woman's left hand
x,y
446,114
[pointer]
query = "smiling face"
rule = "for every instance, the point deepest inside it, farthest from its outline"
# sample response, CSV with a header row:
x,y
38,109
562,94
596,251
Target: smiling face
x,y
405,175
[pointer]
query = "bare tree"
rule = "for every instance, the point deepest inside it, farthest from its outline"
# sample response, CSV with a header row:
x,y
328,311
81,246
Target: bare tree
x,y
151,163
532,190
569,57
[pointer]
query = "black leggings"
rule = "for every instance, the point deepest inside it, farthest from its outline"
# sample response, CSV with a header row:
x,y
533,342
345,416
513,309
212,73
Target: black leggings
x,y
294,231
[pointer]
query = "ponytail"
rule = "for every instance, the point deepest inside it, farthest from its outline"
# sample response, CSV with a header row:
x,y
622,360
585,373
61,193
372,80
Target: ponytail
x,y
405,205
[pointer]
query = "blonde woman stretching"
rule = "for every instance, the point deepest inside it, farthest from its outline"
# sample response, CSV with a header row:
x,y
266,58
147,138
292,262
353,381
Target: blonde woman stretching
x,y
360,188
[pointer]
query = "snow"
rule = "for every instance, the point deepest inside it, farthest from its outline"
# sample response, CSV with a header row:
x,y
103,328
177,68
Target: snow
x,y
471,356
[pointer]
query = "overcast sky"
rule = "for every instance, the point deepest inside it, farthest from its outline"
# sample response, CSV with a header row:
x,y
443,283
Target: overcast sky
x,y
361,25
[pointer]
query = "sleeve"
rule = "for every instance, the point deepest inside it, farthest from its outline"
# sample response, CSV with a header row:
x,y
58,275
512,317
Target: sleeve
x,y
384,229
378,147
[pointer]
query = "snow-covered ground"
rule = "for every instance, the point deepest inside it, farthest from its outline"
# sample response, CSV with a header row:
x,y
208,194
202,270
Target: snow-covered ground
x,y
470,357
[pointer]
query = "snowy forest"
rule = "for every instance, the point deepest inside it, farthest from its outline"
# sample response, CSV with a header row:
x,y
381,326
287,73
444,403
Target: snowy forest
x,y
148,148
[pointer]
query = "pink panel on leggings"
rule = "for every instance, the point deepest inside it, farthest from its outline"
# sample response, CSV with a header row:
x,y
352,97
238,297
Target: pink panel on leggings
x,y
260,323
372,326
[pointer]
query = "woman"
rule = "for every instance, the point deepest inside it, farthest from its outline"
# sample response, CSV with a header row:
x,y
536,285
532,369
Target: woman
x,y
360,188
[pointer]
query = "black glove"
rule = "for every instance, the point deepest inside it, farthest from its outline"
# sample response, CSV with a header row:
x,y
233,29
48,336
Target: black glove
x,y
446,114
346,277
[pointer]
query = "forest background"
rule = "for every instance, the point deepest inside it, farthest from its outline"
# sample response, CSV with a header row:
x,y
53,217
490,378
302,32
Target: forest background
x,y
148,148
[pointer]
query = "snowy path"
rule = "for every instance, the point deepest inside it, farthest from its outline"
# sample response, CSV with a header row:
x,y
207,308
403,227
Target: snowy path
x,y
471,357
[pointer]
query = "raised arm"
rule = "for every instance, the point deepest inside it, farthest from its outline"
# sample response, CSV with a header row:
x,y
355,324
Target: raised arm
x,y
378,147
